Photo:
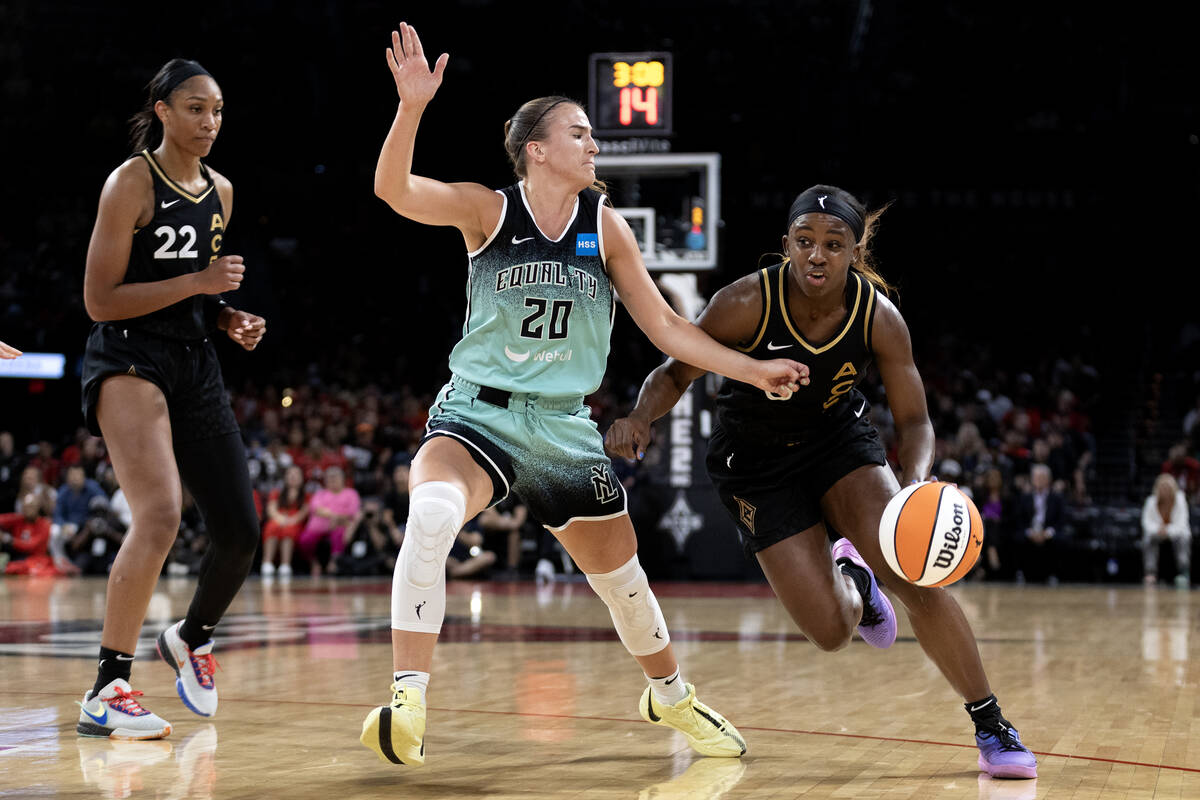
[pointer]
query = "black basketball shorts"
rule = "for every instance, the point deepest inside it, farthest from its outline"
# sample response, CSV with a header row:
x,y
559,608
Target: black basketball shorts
x,y
774,490
187,372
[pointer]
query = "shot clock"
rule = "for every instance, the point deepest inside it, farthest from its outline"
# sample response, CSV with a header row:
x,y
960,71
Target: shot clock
x,y
630,94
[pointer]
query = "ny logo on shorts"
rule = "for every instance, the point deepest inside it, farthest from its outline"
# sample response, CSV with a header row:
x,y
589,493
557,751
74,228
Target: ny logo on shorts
x,y
605,484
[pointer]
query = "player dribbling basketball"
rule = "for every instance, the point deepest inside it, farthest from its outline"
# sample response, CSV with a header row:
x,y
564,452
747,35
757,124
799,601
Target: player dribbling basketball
x,y
786,465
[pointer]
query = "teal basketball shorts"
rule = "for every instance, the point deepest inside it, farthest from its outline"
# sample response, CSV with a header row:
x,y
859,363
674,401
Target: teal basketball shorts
x,y
545,449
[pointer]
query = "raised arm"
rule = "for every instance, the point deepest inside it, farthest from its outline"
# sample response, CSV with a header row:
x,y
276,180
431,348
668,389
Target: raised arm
x,y
472,208
126,202
892,346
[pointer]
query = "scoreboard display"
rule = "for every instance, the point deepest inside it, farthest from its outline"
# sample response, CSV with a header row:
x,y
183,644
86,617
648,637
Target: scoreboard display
x,y
630,94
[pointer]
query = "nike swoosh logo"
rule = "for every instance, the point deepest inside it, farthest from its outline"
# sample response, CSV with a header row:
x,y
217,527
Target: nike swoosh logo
x,y
165,204
208,627
982,705
670,681
773,346
859,414
99,720
729,461
515,240
650,709
124,658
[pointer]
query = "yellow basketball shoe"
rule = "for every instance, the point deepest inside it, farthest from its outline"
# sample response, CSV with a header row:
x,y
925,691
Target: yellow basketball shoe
x,y
396,732
707,731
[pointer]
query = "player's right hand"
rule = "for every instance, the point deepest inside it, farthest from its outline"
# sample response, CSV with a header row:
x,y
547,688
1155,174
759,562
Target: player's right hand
x,y
223,275
627,438
415,82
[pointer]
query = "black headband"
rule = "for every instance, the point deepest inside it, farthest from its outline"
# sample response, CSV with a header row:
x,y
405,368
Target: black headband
x,y
537,121
189,69
826,202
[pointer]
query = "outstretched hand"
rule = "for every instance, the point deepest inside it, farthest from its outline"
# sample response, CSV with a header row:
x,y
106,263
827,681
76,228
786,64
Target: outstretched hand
x,y
415,83
8,351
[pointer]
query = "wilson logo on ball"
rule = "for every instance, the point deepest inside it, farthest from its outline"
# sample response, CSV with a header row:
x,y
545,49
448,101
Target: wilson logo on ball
x,y
931,534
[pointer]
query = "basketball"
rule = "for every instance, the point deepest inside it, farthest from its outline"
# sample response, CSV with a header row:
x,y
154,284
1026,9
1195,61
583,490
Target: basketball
x,y
931,534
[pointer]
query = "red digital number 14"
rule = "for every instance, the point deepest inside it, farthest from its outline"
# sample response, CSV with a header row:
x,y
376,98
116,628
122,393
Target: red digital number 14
x,y
634,99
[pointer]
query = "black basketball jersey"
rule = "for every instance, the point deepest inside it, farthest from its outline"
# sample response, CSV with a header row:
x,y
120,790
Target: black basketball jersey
x,y
182,237
835,366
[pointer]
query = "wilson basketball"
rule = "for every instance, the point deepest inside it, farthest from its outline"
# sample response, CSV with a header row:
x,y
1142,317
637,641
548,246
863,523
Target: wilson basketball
x,y
931,534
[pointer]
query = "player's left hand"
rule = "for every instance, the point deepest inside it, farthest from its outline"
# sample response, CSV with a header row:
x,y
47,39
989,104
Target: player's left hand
x,y
780,376
246,329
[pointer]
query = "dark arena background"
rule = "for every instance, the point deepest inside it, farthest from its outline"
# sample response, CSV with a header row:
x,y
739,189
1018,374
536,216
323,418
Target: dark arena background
x,y
1041,167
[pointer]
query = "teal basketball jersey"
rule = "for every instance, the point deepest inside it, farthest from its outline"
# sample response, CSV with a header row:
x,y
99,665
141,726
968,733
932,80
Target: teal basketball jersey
x,y
539,310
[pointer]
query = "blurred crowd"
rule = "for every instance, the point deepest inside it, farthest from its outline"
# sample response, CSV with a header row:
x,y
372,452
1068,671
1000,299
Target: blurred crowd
x,y
329,463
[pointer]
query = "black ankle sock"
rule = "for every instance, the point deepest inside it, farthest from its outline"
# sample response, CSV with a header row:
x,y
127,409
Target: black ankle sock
x,y
986,714
857,574
113,664
193,634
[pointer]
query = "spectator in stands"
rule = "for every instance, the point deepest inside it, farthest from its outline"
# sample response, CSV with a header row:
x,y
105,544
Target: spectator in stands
x,y
372,543
1191,424
25,540
467,556
34,489
1185,469
46,462
1041,512
331,510
995,507
395,501
287,512
79,498
94,545
10,471
505,520
187,553
1165,517
362,458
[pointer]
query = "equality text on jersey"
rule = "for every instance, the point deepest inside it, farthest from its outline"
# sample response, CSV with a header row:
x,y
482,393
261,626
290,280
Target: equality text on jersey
x,y
541,273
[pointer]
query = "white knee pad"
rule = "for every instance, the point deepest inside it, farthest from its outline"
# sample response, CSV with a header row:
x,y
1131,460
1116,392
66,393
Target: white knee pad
x,y
634,608
436,512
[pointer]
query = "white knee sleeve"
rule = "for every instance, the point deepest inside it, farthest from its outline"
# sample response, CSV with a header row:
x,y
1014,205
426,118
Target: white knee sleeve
x,y
436,512
634,608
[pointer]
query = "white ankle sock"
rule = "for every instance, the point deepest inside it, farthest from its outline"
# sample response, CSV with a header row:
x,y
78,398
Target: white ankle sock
x,y
669,690
410,677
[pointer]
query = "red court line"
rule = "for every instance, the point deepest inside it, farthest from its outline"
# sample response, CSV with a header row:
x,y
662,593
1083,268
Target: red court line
x,y
794,731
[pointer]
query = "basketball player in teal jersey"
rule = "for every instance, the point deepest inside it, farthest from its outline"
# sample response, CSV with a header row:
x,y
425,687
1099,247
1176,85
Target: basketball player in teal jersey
x,y
784,464
545,255
152,388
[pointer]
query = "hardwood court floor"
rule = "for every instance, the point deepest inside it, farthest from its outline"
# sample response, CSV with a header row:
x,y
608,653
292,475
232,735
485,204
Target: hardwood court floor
x,y
533,697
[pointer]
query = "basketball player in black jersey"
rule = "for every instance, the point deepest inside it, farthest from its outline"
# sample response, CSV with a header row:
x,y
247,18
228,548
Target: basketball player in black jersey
x,y
152,388
787,464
